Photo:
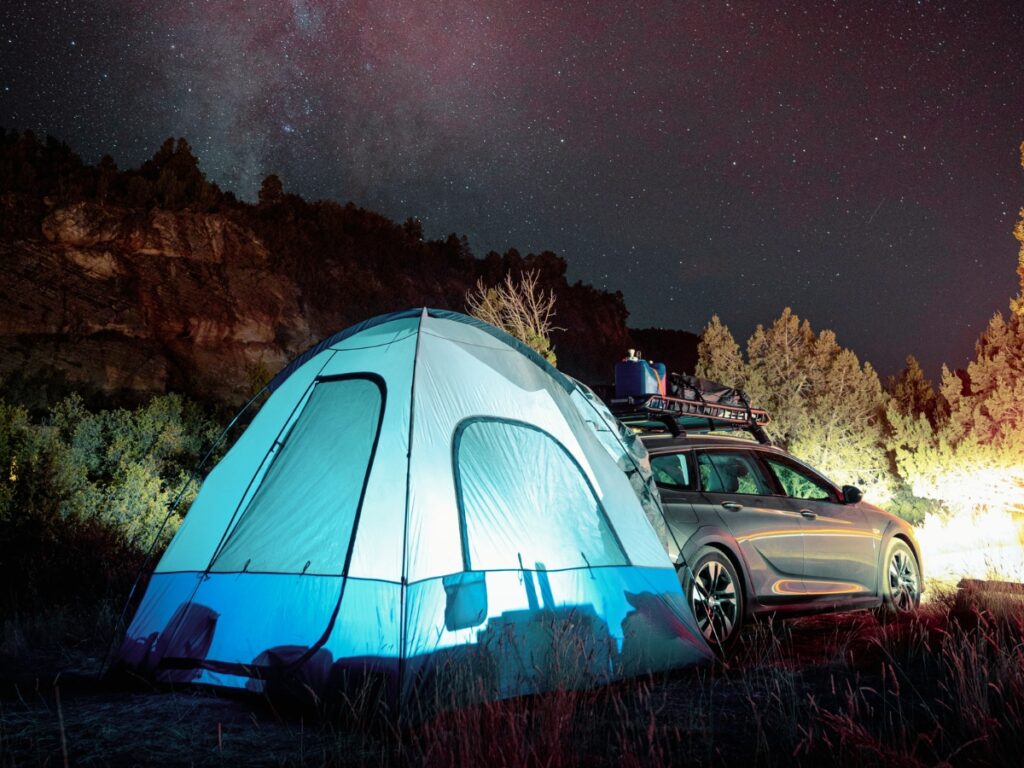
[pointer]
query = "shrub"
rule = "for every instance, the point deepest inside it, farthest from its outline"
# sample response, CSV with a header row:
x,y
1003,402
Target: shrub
x,y
83,494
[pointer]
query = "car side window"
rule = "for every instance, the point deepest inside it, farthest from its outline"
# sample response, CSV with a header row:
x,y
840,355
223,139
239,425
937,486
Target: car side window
x,y
732,472
708,474
797,482
673,470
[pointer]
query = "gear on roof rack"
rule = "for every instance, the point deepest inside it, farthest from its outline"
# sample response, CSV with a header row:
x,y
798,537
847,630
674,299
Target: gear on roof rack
x,y
646,399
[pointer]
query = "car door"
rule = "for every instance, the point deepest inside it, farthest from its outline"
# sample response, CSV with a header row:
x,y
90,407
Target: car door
x,y
840,548
676,477
766,527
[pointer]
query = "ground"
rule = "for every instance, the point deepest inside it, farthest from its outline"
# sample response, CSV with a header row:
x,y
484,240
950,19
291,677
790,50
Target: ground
x,y
943,687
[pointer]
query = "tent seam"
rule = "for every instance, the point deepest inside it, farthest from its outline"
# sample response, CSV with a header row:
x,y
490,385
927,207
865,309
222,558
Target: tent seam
x,y
425,579
405,525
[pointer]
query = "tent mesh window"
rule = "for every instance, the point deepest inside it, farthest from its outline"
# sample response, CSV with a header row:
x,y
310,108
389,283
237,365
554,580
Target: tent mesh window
x,y
525,503
301,518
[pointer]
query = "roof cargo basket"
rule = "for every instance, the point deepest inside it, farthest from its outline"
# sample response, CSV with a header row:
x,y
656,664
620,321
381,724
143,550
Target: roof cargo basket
x,y
692,404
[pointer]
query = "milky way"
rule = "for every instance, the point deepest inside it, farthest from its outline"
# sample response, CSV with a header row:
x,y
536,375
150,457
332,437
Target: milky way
x,y
857,162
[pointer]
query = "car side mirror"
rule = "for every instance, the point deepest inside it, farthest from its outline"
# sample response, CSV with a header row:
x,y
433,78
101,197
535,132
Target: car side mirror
x,y
852,494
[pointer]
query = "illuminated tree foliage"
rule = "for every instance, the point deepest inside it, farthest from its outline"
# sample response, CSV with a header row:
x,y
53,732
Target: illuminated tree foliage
x,y
83,493
912,393
1017,305
974,453
971,451
828,407
912,411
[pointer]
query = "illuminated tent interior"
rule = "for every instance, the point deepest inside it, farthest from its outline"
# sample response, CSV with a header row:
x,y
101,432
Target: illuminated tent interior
x,y
424,503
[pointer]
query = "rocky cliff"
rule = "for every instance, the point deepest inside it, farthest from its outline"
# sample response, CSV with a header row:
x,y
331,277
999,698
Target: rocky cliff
x,y
129,303
142,302
130,283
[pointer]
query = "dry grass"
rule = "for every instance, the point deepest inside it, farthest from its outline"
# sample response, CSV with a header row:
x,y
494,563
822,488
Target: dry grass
x,y
943,688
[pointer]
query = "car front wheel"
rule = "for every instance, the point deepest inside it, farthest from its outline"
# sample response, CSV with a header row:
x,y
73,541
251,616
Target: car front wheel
x,y
901,581
713,589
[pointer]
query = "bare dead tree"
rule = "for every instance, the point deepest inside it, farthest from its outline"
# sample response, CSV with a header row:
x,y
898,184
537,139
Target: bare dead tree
x,y
519,307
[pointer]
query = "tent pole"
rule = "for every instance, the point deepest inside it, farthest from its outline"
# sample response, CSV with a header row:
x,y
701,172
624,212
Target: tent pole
x,y
404,585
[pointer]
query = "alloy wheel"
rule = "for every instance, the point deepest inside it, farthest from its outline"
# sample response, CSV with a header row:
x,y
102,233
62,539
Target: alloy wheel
x,y
903,581
713,599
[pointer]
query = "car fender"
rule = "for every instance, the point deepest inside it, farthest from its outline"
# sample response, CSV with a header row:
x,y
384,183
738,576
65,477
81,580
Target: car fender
x,y
720,537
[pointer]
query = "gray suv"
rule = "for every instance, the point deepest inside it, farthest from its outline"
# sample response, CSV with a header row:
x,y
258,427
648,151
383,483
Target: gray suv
x,y
764,533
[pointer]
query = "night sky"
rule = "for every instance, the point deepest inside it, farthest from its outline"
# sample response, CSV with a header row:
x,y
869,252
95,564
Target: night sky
x,y
857,161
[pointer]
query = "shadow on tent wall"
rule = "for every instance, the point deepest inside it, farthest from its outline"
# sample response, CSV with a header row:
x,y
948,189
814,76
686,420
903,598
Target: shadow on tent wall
x,y
519,651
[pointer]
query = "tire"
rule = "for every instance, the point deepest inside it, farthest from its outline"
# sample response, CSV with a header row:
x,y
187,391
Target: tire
x,y
900,580
720,618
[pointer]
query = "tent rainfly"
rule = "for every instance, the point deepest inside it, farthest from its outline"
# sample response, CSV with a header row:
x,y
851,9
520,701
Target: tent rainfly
x,y
425,504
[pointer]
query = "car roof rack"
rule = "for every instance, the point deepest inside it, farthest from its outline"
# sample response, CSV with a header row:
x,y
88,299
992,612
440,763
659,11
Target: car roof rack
x,y
692,405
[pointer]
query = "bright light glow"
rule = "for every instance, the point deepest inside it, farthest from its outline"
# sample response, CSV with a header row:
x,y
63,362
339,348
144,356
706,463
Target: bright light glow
x,y
984,537
977,485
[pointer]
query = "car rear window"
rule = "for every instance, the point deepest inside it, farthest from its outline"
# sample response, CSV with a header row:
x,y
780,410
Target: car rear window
x,y
673,470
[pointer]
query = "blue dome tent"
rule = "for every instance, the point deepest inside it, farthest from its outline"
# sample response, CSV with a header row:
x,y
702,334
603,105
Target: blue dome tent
x,y
423,502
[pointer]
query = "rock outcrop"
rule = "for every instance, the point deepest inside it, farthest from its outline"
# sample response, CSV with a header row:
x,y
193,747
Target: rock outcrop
x,y
137,303
127,283
126,303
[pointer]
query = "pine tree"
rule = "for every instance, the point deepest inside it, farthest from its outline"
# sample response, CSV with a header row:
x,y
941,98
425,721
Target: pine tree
x,y
271,190
1017,305
176,178
413,227
780,373
992,411
719,357
911,392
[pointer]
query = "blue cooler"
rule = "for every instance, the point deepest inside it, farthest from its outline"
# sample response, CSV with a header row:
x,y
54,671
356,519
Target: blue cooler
x,y
636,378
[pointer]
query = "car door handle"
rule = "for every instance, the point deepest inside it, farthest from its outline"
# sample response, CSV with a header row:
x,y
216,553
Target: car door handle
x,y
808,514
732,505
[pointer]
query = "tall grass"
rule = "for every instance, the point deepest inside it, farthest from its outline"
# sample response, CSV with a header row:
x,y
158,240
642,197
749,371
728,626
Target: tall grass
x,y
944,687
